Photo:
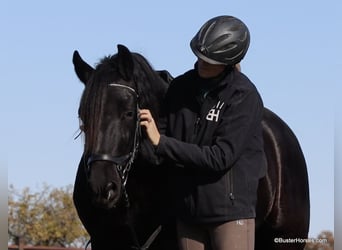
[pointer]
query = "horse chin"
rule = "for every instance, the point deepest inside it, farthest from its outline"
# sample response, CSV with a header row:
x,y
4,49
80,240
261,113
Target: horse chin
x,y
105,185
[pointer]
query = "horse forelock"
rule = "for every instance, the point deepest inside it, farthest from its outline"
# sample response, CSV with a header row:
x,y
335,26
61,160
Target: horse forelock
x,y
90,110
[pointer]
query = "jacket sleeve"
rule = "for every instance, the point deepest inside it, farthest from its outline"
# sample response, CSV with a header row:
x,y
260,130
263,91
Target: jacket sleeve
x,y
238,125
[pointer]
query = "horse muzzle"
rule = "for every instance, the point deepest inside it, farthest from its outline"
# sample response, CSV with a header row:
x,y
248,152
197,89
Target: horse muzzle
x,y
105,182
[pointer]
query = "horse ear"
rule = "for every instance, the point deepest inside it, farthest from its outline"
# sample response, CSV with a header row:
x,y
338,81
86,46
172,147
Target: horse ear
x,y
83,70
165,75
126,64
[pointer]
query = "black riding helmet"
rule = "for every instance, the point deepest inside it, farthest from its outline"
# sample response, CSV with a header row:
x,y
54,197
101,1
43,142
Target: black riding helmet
x,y
221,40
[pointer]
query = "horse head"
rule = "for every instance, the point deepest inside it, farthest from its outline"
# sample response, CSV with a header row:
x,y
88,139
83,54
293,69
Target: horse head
x,y
109,116
108,111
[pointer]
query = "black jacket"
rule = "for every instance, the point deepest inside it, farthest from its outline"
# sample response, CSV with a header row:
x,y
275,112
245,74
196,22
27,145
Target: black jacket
x,y
213,143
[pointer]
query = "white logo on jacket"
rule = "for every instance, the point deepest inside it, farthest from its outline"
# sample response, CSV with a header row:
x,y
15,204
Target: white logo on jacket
x,y
214,113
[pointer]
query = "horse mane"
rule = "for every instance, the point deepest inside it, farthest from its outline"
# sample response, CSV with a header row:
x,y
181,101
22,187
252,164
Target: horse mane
x,y
149,86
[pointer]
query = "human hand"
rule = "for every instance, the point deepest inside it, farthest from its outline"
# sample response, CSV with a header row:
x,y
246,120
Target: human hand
x,y
147,121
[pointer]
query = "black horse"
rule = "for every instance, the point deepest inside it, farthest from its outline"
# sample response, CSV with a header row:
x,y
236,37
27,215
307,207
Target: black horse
x,y
119,195
283,208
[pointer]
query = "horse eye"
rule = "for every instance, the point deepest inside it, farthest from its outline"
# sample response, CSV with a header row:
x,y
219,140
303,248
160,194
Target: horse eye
x,y
129,114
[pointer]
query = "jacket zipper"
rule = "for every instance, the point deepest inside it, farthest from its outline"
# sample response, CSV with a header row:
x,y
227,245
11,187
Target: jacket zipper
x,y
231,186
196,125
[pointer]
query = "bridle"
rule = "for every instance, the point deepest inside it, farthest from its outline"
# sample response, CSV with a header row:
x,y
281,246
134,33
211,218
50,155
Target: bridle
x,y
123,163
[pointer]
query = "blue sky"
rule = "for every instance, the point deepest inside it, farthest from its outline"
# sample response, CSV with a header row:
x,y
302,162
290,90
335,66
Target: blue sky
x,y
292,61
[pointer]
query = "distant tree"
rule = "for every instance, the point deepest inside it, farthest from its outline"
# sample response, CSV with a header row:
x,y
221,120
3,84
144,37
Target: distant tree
x,y
324,241
46,218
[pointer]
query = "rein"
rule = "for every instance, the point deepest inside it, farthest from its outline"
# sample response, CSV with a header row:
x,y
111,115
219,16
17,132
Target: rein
x,y
137,246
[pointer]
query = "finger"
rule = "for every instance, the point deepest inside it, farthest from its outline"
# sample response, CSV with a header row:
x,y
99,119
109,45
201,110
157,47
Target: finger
x,y
145,111
145,117
144,124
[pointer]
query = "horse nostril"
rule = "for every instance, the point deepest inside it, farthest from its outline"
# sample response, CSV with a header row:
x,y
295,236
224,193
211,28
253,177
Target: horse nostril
x,y
110,195
111,190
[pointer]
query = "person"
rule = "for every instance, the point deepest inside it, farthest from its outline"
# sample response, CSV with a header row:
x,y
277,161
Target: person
x,y
212,139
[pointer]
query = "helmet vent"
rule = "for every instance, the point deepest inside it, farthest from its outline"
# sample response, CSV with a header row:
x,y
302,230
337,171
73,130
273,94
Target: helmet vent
x,y
226,48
